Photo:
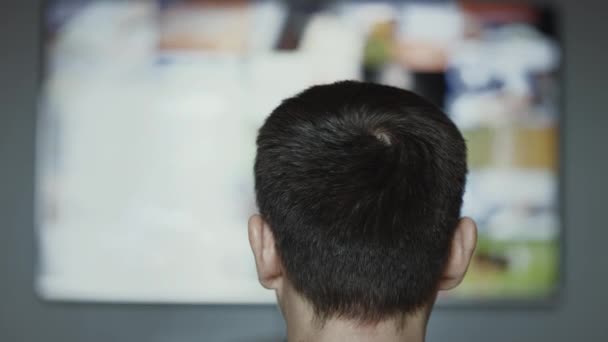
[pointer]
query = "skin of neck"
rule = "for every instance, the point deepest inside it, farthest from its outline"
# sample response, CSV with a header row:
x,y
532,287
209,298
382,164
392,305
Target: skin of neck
x,y
303,326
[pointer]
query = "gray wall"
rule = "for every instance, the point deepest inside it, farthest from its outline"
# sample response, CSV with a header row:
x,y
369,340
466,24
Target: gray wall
x,y
579,315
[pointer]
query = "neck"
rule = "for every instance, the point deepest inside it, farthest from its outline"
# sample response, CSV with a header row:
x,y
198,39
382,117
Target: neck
x,y
343,330
302,327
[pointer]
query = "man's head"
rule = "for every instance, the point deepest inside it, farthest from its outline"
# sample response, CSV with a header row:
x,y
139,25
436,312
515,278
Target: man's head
x,y
359,188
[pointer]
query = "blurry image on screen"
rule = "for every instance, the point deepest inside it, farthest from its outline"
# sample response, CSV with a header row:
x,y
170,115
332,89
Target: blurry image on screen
x,y
150,109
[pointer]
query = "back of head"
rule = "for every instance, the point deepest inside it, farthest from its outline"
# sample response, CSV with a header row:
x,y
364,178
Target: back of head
x,y
362,186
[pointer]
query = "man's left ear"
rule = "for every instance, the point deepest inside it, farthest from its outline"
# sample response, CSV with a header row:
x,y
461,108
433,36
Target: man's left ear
x,y
267,260
463,246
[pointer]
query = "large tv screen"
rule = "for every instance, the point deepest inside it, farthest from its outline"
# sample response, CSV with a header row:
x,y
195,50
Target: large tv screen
x,y
149,112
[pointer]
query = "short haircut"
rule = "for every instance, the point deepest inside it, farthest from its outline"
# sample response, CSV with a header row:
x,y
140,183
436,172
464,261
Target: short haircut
x,y
362,187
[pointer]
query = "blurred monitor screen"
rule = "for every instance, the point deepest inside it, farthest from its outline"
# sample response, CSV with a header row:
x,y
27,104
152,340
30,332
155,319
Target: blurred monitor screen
x,y
149,112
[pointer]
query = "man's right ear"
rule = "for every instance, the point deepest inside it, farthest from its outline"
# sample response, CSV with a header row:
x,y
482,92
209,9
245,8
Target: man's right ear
x,y
267,260
461,252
